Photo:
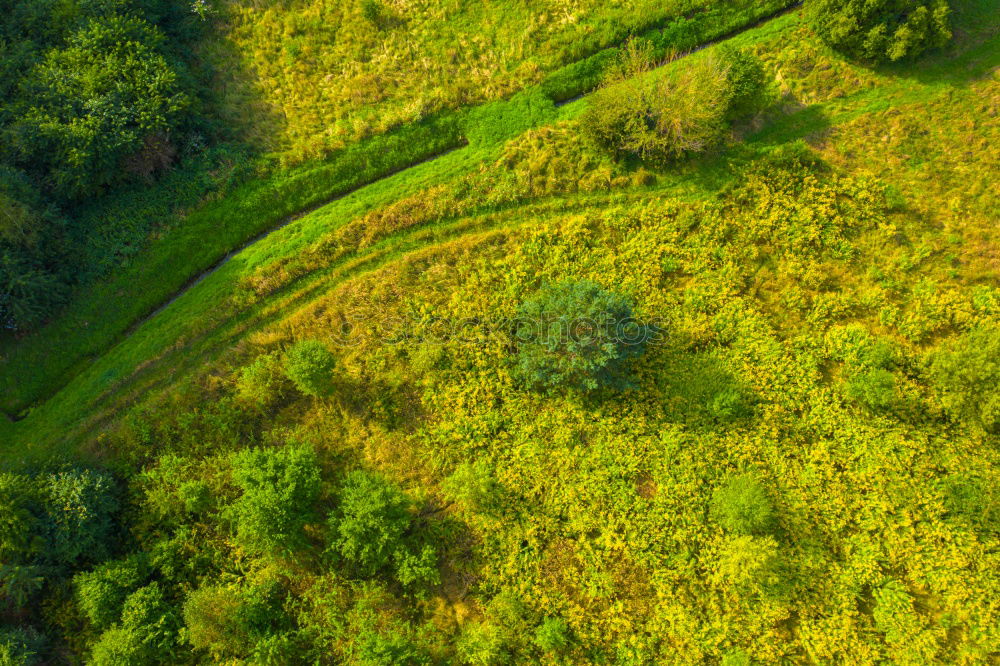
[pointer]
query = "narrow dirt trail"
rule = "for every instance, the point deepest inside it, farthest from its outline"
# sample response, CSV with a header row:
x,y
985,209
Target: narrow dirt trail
x,y
196,280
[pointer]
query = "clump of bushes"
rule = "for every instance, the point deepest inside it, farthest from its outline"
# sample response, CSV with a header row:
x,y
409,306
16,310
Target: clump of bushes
x,y
750,565
79,508
97,101
310,365
741,505
577,335
682,114
966,373
369,531
102,593
262,383
279,488
147,633
882,30
868,366
237,621
973,499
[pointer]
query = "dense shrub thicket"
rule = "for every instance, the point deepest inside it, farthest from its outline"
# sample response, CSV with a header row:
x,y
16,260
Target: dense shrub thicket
x,y
882,30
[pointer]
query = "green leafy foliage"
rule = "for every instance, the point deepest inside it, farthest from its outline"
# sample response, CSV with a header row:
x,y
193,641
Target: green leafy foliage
x,y
33,280
102,592
368,527
481,644
147,634
741,505
310,365
882,30
92,96
19,524
553,635
787,286
196,496
212,619
392,649
749,565
966,372
473,486
746,79
21,646
975,500
19,584
874,388
262,382
230,622
736,658
79,516
576,335
107,96
279,488
668,119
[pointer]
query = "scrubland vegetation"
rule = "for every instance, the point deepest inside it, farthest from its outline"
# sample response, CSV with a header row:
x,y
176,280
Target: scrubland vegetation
x,y
701,367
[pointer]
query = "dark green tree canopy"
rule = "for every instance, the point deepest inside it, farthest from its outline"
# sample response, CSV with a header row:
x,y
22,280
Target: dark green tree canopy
x,y
79,512
882,30
33,274
95,103
577,335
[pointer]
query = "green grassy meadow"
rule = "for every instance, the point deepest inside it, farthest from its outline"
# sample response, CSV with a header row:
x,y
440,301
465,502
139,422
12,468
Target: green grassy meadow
x,y
824,288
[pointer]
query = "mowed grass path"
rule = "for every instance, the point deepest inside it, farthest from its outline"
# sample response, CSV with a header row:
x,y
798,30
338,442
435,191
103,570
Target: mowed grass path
x,y
195,327
33,368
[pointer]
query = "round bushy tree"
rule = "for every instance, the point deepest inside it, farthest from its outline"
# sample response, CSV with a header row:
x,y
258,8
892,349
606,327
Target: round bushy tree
x,y
576,335
742,505
279,488
881,30
746,81
309,364
370,522
95,103
672,118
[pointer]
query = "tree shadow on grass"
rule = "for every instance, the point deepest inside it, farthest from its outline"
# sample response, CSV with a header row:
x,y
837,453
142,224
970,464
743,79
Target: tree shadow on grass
x,y
698,389
790,121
